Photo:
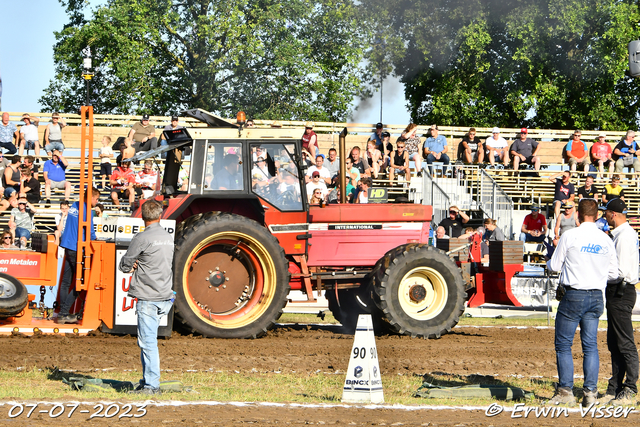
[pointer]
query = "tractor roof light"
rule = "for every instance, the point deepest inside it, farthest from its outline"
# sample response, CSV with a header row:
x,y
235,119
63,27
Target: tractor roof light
x,y
241,118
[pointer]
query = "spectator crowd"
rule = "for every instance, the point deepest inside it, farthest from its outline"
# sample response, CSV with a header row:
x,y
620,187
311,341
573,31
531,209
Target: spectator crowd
x,y
29,180
380,158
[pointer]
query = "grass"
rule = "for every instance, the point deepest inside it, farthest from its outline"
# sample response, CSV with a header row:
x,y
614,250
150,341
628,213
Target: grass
x,y
321,387
511,321
326,319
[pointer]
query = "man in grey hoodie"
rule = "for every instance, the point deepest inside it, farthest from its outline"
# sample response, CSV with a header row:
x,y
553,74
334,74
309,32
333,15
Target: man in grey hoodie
x,y
149,258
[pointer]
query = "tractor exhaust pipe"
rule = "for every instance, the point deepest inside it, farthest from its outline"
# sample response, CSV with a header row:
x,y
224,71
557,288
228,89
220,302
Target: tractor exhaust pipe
x,y
343,173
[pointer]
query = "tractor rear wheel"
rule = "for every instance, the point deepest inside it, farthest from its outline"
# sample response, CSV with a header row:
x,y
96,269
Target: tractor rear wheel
x,y
13,296
420,291
231,277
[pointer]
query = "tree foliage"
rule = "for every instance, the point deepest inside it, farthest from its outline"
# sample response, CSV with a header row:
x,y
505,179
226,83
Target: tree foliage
x,y
297,59
540,63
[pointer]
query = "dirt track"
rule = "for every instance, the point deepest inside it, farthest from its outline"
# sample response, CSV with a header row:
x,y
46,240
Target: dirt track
x,y
500,352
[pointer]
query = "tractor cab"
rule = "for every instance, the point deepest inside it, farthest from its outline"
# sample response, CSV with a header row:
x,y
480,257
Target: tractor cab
x,y
228,161
230,167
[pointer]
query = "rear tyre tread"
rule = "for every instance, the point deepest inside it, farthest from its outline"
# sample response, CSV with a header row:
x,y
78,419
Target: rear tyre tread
x,y
189,320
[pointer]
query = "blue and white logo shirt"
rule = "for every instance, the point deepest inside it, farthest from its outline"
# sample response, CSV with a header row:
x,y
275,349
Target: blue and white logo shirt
x,y
586,257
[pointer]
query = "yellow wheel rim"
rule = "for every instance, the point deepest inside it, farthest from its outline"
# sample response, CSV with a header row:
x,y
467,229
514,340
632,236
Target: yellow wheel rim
x,y
216,287
423,293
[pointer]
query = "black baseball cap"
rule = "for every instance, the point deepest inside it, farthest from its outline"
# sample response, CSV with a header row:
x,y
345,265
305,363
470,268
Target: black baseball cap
x,y
616,205
145,117
174,118
378,125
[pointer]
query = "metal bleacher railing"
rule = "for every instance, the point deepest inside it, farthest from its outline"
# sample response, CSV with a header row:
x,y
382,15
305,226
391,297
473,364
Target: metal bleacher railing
x,y
436,196
495,202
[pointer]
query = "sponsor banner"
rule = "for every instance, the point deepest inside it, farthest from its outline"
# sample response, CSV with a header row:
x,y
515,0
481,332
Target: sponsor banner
x,y
355,226
386,226
105,228
20,264
125,306
532,291
123,229
129,227
125,309
377,195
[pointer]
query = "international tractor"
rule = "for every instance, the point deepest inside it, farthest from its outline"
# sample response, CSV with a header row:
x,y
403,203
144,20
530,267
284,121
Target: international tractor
x,y
245,236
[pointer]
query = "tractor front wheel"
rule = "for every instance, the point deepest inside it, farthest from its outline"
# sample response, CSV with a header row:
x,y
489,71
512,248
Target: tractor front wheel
x,y
420,291
347,304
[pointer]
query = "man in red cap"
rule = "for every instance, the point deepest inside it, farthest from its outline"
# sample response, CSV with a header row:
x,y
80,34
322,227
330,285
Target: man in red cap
x,y
316,182
525,150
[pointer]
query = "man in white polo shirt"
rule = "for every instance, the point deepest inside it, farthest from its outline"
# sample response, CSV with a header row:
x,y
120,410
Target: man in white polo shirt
x,y
325,175
587,259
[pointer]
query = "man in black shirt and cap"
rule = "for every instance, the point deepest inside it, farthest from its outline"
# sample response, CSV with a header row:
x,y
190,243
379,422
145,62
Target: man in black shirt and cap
x,y
453,224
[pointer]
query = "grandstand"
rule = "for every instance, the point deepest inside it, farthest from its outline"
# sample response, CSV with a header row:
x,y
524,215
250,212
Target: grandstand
x,y
483,192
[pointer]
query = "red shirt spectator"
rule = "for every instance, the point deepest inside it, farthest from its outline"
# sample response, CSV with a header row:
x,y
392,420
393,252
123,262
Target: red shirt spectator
x,y
537,223
534,226
310,140
601,150
123,176
577,147
601,155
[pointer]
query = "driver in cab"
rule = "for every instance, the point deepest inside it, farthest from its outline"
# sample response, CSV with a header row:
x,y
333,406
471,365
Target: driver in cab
x,y
230,177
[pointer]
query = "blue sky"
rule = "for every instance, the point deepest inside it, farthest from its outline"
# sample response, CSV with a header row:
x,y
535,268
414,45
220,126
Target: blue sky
x,y
26,62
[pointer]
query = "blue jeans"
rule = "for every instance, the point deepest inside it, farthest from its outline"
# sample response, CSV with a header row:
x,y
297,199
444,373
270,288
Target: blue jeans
x,y
443,158
68,293
23,232
9,191
11,149
54,145
525,237
149,314
584,308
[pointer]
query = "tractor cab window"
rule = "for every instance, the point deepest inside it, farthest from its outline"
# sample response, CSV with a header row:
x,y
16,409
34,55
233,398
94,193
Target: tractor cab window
x,y
274,175
224,168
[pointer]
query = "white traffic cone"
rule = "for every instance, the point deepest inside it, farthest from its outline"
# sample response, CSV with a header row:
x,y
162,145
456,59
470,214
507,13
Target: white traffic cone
x,y
363,383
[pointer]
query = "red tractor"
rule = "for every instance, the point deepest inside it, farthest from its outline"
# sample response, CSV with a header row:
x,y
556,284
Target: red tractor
x,y
246,236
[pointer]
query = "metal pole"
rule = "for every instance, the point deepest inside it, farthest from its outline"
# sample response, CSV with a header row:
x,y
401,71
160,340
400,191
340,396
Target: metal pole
x,y
493,202
548,304
86,184
380,95
343,169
